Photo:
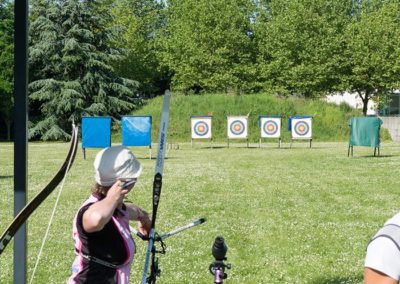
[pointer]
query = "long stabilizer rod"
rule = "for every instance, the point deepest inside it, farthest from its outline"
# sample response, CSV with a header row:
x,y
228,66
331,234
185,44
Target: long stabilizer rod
x,y
171,233
178,230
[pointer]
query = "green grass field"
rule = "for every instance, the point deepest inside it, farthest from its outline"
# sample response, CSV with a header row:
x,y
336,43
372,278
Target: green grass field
x,y
295,215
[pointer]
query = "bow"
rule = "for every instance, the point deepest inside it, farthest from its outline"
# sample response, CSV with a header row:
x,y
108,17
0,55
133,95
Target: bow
x,y
24,214
157,183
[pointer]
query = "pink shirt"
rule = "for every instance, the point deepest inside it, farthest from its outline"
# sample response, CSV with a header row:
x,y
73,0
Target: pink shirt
x,y
121,222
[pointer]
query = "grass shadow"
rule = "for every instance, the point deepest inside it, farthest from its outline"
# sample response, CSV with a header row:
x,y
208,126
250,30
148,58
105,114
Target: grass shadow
x,y
338,280
253,147
209,147
271,148
155,158
6,177
372,156
324,147
243,147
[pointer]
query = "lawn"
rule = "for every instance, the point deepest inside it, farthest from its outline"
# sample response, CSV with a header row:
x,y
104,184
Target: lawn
x,y
295,215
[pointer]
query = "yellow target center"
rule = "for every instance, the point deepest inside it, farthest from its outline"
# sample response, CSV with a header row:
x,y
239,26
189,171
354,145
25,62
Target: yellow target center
x,y
302,128
237,127
201,128
270,127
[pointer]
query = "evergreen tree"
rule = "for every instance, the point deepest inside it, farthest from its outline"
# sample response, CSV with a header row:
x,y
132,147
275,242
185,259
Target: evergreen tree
x,y
6,63
70,65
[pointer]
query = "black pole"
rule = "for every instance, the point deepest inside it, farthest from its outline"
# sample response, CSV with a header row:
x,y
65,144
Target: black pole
x,y
20,132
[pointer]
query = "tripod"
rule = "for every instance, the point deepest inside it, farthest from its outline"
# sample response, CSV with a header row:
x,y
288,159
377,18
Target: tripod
x,y
217,268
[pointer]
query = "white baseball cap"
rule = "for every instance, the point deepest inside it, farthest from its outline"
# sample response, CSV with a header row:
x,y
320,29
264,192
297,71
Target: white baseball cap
x,y
116,162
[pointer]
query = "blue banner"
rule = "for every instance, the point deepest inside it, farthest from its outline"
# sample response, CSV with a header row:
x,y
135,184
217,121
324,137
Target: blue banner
x,y
96,132
136,130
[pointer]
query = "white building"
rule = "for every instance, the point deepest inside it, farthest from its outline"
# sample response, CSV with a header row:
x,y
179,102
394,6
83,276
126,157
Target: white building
x,y
390,114
353,100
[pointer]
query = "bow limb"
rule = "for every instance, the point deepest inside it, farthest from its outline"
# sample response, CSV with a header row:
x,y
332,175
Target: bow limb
x,y
157,184
24,214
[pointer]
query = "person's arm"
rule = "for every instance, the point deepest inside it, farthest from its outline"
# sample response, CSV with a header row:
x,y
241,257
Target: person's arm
x,y
382,262
138,214
100,213
372,276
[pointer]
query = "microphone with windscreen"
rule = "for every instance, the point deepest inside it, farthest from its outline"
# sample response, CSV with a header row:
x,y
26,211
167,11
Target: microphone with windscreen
x,y
219,248
217,268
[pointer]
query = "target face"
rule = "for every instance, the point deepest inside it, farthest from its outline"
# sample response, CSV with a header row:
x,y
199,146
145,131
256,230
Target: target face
x,y
237,127
201,127
270,127
301,128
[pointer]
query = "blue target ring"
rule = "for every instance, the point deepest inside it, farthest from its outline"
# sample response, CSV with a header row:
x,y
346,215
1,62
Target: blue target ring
x,y
237,127
201,128
301,128
270,127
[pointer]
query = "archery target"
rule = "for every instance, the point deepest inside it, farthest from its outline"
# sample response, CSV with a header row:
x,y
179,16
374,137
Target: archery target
x,y
270,127
201,127
237,127
301,128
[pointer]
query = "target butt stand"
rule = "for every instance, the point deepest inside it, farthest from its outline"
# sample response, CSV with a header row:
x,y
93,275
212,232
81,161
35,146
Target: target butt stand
x,y
237,128
309,139
270,127
201,128
300,128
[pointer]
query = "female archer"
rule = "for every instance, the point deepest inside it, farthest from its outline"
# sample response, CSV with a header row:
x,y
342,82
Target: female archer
x,y
103,243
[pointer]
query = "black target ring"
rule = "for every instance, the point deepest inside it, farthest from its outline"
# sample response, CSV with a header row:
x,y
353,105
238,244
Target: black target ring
x,y
270,127
237,127
201,128
301,128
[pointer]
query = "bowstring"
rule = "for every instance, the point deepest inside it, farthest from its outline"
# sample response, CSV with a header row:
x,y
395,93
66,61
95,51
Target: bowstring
x,y
54,211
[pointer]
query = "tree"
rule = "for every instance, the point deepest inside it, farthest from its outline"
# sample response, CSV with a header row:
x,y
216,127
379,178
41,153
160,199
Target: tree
x,y
140,21
300,45
6,63
70,66
207,44
372,50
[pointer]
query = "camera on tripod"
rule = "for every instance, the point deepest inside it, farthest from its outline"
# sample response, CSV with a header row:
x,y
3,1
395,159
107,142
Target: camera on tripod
x,y
217,268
